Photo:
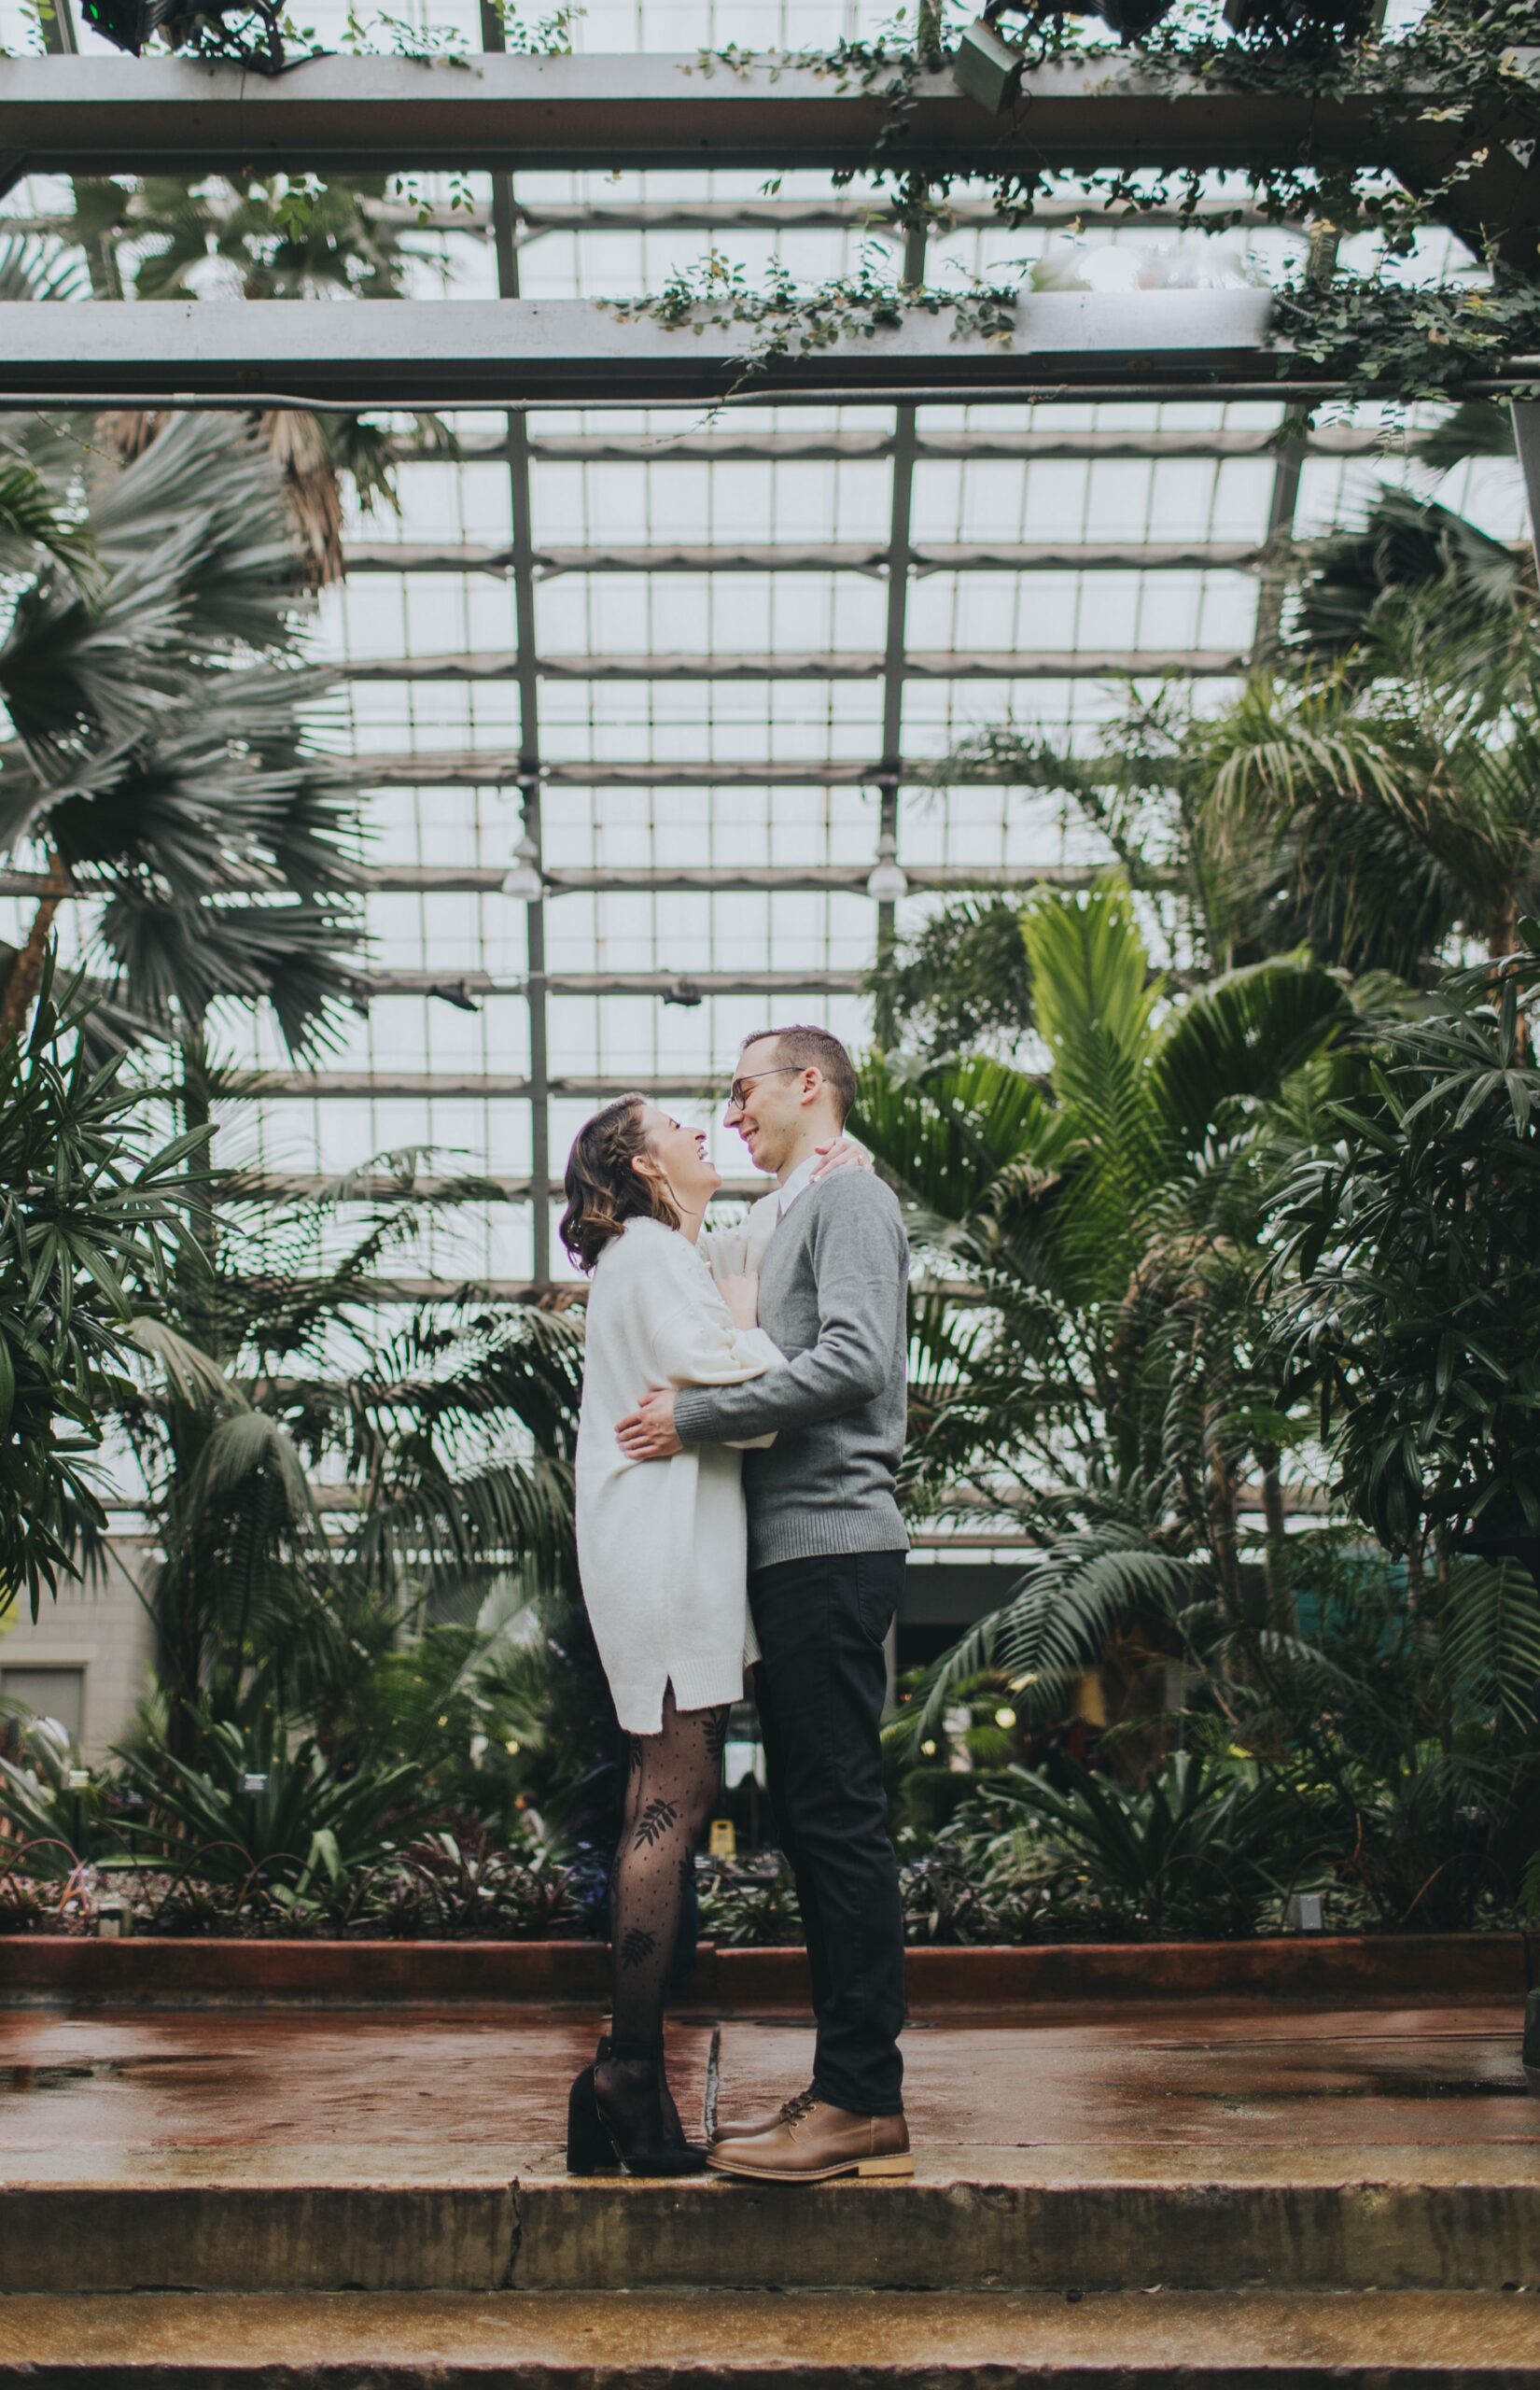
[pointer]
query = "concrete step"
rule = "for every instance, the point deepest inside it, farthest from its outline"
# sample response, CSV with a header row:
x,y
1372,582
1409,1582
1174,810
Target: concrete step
x,y
1102,2217
1408,2341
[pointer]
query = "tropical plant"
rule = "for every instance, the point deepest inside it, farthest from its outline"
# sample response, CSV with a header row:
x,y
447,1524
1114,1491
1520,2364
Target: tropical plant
x,y
166,763
1358,577
268,238
1407,1277
1081,1200
1393,797
960,984
448,1886
1203,1846
444,1444
91,1205
1369,795
748,1902
254,1813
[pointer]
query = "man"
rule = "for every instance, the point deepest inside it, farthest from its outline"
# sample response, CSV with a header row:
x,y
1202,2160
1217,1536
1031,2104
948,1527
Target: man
x,y
826,1559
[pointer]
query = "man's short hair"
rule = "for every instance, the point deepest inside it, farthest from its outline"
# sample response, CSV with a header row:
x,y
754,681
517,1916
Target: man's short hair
x,y
806,1046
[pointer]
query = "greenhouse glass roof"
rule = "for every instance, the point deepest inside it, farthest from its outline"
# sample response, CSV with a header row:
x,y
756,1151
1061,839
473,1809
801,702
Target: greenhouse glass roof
x,y
729,696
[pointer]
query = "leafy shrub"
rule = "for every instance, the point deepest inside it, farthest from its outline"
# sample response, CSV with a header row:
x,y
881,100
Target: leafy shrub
x,y
1204,1848
749,1902
34,1905
960,1892
445,1889
86,1210
309,1823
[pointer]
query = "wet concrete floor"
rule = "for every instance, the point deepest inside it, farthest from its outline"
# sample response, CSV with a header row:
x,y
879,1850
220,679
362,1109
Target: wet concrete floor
x,y
115,2097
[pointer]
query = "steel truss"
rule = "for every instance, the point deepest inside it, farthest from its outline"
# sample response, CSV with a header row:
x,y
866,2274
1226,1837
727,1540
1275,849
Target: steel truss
x,y
932,555
499,114
991,442
511,352
821,663
618,879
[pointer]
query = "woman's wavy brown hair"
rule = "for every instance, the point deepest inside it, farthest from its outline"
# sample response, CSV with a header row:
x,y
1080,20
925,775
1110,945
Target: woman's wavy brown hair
x,y
604,1186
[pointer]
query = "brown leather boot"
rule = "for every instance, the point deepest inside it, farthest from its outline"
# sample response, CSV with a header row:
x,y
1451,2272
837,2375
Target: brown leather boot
x,y
795,2106
816,2144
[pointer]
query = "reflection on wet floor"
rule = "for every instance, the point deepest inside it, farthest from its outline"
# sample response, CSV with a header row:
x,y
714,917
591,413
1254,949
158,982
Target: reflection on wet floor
x,y
102,2094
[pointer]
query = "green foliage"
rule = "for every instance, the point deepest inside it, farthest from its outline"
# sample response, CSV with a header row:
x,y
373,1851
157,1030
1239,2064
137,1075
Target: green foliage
x,y
1076,1199
1203,1848
448,1438
746,1904
1408,1287
1408,545
91,1207
961,983
449,1888
169,757
1372,337
308,1823
783,317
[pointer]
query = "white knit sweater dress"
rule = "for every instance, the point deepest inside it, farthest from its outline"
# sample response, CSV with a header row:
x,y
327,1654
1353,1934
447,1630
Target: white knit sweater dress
x,y
663,1545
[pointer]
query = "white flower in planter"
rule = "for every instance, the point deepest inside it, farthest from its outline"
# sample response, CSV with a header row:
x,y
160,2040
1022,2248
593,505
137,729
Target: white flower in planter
x,y
1168,265
1209,265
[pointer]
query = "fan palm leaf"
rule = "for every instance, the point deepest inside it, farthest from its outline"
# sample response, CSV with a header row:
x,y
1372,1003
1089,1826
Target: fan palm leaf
x,y
1238,1039
35,524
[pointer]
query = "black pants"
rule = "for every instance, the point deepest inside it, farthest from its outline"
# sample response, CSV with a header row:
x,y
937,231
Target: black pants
x,y
821,1624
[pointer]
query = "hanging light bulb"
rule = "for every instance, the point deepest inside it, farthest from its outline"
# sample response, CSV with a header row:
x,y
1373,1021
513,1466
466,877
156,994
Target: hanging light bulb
x,y
886,882
523,879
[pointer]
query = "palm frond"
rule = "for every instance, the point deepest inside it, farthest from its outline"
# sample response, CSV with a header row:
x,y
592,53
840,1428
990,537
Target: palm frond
x,y
1239,1037
1490,1636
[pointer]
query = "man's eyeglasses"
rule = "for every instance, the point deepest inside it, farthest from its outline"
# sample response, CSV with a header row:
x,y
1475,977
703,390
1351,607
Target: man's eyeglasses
x,y
738,1095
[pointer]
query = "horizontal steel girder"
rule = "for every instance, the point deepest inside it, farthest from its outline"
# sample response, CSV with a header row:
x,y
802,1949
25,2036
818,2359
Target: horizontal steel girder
x,y
918,664
622,880
989,443
511,352
370,1187
501,114
488,767
618,983
867,212
494,1085
477,769
930,556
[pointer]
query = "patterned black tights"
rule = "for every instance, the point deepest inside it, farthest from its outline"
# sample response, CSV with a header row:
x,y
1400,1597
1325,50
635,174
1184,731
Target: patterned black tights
x,y
669,1795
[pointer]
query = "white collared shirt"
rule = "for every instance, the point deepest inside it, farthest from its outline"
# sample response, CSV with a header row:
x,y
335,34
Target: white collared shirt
x,y
790,1188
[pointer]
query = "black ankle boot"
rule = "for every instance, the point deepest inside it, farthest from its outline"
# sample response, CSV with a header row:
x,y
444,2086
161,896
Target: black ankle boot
x,y
673,2128
615,2117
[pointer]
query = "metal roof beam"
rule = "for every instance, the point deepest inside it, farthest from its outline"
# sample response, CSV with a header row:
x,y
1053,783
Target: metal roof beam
x,y
493,1086
488,767
689,985
930,556
372,1187
510,353
628,880
987,442
534,219
502,114
524,669
918,664
445,1290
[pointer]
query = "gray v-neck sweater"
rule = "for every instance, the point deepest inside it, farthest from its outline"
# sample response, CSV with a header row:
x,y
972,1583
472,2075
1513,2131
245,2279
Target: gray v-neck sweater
x,y
832,1296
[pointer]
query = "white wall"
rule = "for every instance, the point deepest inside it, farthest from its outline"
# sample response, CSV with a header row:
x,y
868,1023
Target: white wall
x,y
100,1629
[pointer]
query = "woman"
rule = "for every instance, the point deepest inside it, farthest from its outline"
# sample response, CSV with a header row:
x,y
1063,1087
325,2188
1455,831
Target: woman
x,y
663,1553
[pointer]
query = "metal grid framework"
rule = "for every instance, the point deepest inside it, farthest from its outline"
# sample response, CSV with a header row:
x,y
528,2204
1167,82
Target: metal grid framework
x,y
702,659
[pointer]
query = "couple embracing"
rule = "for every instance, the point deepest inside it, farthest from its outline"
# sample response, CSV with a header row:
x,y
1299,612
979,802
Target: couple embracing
x,y
742,1423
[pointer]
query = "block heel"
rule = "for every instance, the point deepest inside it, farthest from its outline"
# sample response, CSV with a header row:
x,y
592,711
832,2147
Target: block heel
x,y
899,2168
589,2144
